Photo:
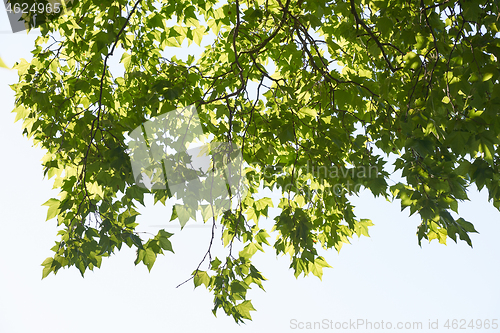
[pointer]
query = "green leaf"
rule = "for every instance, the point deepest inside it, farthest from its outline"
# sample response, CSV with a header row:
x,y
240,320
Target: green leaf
x,y
201,277
126,60
166,244
261,237
183,214
263,203
361,227
198,35
317,266
467,226
53,210
136,240
487,76
248,251
21,112
244,309
385,25
22,67
174,214
149,258
47,267
215,264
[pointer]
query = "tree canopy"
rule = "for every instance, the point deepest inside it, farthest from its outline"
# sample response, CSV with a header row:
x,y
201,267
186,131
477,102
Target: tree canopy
x,y
320,97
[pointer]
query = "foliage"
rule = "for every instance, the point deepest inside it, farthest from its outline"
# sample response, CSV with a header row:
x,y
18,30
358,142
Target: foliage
x,y
316,93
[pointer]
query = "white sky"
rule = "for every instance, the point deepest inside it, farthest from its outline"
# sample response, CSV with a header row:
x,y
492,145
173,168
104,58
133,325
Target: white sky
x,y
386,277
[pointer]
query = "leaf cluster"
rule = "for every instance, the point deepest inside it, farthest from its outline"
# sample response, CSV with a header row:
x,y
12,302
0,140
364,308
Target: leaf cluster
x,y
319,96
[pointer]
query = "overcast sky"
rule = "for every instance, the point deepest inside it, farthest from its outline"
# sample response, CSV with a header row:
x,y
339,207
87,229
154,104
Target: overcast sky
x,y
386,277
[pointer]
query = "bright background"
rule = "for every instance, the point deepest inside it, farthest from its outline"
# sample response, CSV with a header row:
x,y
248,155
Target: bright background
x,y
385,277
